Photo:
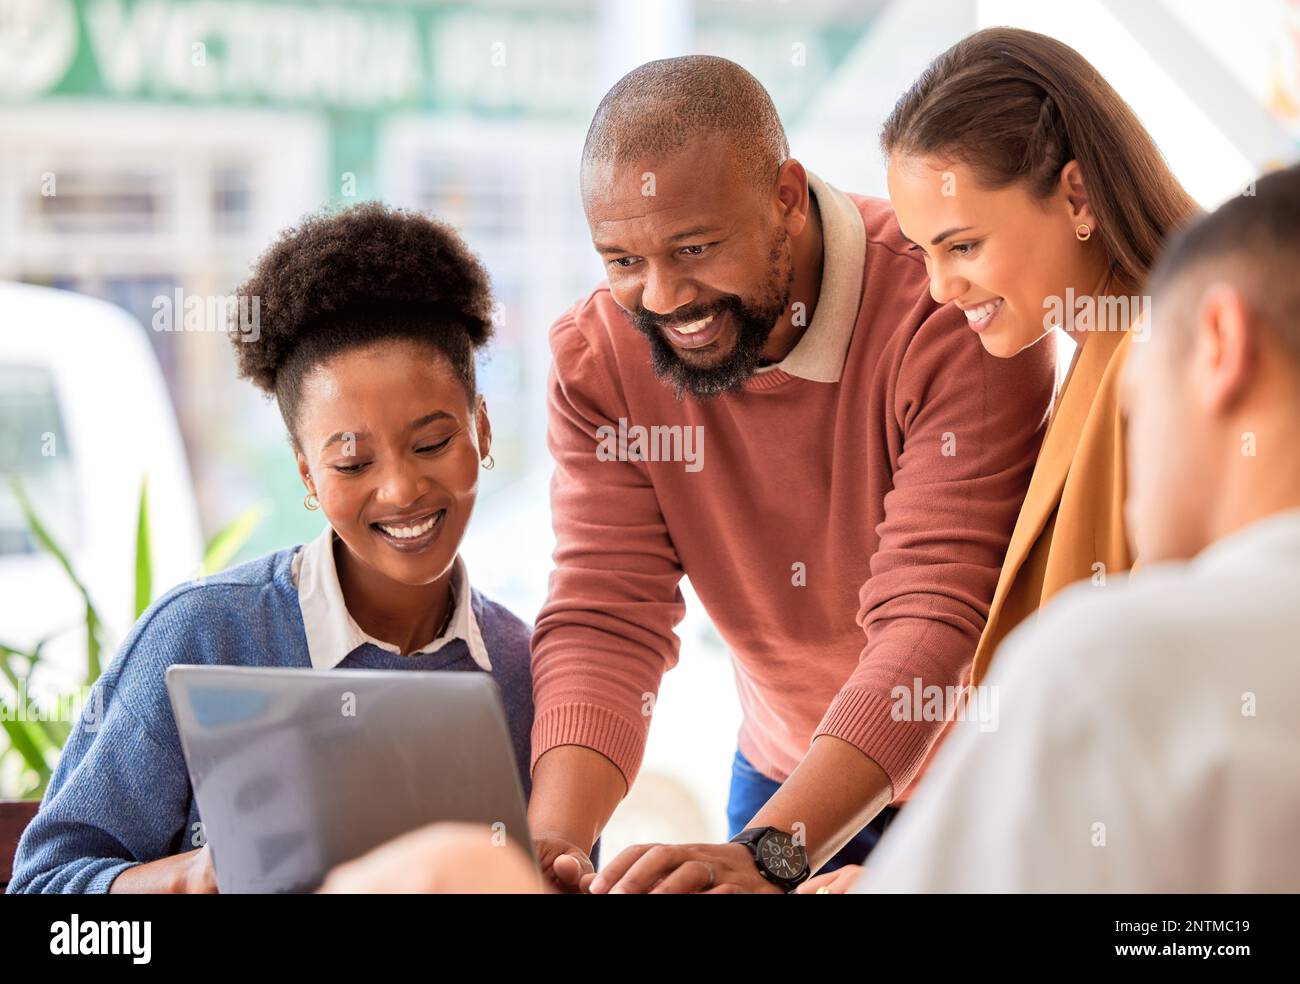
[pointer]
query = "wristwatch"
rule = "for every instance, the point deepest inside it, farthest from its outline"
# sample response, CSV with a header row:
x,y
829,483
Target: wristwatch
x,y
779,858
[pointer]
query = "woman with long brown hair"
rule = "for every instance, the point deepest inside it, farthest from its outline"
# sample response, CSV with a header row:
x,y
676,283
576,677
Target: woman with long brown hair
x,y
1039,203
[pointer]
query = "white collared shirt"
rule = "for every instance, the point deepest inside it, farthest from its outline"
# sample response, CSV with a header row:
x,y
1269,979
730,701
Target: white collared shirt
x,y
332,633
819,354
1144,740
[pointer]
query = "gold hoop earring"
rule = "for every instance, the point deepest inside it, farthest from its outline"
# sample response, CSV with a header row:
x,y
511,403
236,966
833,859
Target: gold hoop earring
x,y
310,501
1083,232
488,462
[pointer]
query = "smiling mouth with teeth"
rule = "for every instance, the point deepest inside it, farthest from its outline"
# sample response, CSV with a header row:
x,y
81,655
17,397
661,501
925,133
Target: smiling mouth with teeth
x,y
410,531
979,317
696,334
693,327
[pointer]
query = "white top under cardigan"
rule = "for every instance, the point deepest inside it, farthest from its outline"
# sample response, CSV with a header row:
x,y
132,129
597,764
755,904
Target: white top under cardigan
x,y
332,633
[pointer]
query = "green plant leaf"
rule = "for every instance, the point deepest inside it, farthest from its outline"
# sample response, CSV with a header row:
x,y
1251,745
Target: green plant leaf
x,y
34,656
93,646
52,733
45,540
58,732
42,535
228,540
143,556
24,745
5,668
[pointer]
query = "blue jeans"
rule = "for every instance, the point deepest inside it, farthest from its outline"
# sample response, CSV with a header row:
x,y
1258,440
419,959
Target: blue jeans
x,y
750,789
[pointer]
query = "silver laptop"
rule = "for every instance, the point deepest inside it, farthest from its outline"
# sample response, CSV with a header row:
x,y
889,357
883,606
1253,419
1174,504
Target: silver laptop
x,y
297,770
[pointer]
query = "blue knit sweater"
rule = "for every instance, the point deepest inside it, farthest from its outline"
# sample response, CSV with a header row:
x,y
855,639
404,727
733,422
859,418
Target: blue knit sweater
x,y
121,795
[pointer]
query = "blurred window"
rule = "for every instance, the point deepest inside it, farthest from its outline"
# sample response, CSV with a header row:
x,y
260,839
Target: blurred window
x,y
104,201
232,199
34,447
478,195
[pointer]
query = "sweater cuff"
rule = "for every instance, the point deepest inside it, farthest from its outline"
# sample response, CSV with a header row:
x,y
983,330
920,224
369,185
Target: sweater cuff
x,y
864,720
594,727
102,880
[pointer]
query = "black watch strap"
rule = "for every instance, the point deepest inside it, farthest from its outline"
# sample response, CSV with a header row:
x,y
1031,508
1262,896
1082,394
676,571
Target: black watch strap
x,y
787,879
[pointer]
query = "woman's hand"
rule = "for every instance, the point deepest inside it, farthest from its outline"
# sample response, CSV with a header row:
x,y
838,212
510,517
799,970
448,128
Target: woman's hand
x,y
565,865
838,882
190,873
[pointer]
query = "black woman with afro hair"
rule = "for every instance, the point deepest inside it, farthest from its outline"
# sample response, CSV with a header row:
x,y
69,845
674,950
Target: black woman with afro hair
x,y
369,321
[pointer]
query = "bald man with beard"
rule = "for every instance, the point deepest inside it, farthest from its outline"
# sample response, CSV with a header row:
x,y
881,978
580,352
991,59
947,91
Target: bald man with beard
x,y
764,397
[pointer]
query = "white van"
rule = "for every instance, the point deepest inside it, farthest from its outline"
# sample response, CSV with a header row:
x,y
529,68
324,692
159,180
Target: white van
x,y
84,417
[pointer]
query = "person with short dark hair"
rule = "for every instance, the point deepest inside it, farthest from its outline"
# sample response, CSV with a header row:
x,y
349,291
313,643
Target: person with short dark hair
x,y
368,321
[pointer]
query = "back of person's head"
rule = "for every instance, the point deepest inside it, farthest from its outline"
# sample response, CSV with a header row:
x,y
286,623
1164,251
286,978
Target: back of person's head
x,y
1213,397
1251,242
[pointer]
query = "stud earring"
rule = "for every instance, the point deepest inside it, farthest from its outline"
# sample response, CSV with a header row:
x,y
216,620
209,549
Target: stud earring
x,y
1083,232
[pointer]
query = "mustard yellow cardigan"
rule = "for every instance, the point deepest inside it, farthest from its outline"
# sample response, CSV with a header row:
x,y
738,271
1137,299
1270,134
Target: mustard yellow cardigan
x,y
1071,525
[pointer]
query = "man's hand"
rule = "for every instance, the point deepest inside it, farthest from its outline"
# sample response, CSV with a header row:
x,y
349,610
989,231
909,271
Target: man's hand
x,y
188,873
663,869
833,793
565,866
837,882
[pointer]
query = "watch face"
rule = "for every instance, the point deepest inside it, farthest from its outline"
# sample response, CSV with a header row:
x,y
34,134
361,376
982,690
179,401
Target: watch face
x,y
779,855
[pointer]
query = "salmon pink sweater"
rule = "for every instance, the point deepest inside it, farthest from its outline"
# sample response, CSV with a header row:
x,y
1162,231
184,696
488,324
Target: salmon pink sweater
x,y
842,518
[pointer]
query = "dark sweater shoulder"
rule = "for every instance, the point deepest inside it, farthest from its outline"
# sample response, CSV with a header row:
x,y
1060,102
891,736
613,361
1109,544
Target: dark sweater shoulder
x,y
504,633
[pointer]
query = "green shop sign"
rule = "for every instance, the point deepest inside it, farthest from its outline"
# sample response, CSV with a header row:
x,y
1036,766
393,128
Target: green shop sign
x,y
356,62
357,56
360,56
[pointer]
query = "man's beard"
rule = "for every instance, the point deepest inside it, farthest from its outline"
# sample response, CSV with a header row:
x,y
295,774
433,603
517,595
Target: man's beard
x,y
755,321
